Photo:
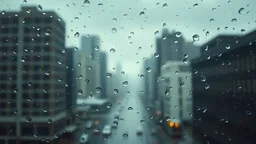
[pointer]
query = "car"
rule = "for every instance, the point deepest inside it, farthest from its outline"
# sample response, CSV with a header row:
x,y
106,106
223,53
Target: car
x,y
96,130
174,127
139,131
107,130
88,124
84,139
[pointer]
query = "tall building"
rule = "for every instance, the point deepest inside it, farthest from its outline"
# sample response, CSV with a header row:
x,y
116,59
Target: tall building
x,y
224,88
90,45
33,76
103,73
71,83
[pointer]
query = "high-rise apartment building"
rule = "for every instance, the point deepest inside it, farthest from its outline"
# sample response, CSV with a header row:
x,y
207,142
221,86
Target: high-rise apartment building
x,y
224,87
33,76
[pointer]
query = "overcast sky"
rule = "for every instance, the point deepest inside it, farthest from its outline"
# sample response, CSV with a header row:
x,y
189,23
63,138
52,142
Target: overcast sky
x,y
187,16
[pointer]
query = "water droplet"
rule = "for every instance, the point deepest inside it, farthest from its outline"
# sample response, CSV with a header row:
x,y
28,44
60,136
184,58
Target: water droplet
x,y
206,86
241,11
164,24
100,4
156,55
40,7
109,75
98,89
116,91
205,109
148,69
142,14
196,37
60,61
151,117
203,78
112,50
214,9
242,30
165,5
125,15
63,50
178,34
195,5
182,84
125,135
96,48
80,92
114,20
227,46
142,76
35,135
130,108
86,2
167,92
76,35
185,60
234,20
114,30
125,83
212,20
86,81
109,105
28,119
142,121
156,32
45,110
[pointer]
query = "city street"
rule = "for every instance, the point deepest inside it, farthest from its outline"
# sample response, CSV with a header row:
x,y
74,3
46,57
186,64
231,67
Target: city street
x,y
132,116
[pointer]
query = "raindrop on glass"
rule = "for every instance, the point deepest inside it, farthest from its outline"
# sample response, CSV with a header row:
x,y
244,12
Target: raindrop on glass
x,y
241,11
109,105
227,46
234,20
47,32
112,50
40,7
142,14
76,35
206,86
203,78
80,92
114,30
116,91
165,5
28,119
98,89
114,20
125,135
130,108
125,83
148,69
196,37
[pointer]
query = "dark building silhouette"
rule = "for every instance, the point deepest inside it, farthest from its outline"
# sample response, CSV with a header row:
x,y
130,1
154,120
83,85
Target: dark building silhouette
x,y
224,87
71,81
103,72
33,76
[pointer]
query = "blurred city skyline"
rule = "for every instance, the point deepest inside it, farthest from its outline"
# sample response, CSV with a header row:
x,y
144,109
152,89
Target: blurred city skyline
x,y
143,21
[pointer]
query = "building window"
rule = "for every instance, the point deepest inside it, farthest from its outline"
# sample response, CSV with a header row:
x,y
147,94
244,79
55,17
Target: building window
x,y
27,131
43,131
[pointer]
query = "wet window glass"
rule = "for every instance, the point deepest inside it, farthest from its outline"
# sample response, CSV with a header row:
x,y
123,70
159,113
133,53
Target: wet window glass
x,y
138,71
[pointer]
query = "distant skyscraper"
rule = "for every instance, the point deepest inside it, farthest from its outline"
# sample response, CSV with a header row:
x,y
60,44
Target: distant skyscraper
x,y
71,80
90,46
33,76
103,68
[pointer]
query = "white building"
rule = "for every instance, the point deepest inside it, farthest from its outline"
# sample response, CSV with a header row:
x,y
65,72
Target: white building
x,y
175,86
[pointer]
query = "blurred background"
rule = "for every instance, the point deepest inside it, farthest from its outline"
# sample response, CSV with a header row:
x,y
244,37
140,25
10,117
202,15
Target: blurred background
x,y
135,72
